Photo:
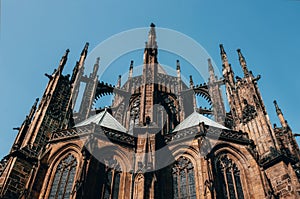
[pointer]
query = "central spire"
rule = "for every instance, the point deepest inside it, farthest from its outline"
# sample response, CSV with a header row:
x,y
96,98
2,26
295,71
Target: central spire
x,y
152,37
150,53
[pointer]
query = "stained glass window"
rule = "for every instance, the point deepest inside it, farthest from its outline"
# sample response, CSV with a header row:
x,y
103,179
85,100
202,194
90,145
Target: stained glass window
x,y
229,179
183,179
64,178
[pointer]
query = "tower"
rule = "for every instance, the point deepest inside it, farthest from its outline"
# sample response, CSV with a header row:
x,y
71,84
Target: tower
x,y
246,105
54,112
249,115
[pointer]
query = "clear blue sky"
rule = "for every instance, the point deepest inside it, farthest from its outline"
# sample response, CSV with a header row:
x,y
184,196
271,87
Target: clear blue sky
x,y
35,34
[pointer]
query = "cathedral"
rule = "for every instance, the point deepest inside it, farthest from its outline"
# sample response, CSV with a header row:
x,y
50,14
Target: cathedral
x,y
154,140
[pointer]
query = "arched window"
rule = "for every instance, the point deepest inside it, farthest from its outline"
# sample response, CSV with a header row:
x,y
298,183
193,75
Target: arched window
x,y
183,179
62,184
229,179
112,181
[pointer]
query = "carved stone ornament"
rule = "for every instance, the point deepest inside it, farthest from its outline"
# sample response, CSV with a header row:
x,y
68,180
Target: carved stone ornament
x,y
249,112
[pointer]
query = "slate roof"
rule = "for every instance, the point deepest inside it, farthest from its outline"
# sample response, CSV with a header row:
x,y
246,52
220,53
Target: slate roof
x,y
104,119
194,119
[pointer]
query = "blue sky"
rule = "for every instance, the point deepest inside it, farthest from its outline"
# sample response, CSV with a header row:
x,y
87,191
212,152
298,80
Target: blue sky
x,y
35,34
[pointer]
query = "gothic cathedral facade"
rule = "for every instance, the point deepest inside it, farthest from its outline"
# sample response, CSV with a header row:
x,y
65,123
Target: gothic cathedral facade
x,y
153,141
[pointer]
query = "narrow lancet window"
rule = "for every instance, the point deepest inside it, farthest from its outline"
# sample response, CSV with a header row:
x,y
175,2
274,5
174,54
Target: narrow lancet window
x,y
64,178
229,180
112,181
183,179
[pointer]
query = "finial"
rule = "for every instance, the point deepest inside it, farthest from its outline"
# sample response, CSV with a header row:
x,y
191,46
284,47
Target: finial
x,y
95,69
223,56
131,64
177,65
278,111
152,37
240,54
33,108
130,69
222,49
191,81
63,60
243,62
280,115
119,82
85,49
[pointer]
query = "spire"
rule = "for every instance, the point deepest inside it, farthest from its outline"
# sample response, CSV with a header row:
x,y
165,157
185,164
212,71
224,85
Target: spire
x,y
130,69
228,73
63,61
96,67
211,70
84,53
223,53
152,37
150,52
33,109
191,81
280,115
243,62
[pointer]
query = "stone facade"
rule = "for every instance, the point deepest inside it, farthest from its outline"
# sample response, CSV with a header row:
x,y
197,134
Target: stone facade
x,y
153,141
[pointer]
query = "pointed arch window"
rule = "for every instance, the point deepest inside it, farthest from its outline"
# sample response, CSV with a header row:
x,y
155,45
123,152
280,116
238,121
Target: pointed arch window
x,y
229,179
63,181
183,179
112,180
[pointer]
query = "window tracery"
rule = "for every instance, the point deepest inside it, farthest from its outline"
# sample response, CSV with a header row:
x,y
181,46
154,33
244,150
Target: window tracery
x,y
183,179
64,178
112,180
229,179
